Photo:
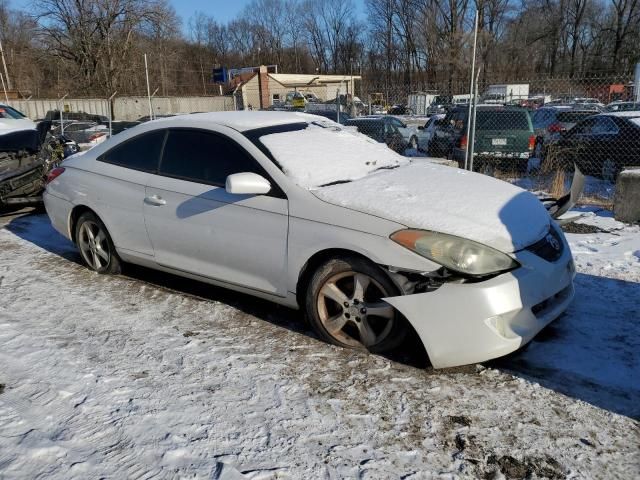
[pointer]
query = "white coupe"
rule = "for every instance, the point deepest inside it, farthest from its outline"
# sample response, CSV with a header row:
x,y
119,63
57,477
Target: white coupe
x,y
295,209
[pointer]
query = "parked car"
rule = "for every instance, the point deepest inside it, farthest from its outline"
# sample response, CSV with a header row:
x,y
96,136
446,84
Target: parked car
x,y
85,134
360,238
601,145
11,119
425,132
623,107
380,130
503,137
408,132
54,117
400,110
331,115
550,122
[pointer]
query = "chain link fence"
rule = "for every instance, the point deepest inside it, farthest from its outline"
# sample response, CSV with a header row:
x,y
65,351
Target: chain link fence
x,y
532,133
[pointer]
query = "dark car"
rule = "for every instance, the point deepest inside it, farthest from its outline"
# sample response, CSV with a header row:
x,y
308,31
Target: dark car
x,y
623,107
503,137
550,122
331,115
600,145
380,130
54,117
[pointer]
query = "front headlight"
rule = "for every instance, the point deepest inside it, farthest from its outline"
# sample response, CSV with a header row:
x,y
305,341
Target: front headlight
x,y
455,253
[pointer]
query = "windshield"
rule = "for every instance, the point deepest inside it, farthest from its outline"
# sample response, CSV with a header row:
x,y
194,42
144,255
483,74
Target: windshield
x,y
319,154
8,112
502,120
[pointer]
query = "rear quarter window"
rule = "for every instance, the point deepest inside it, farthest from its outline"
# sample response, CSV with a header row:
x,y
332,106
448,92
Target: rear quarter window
x,y
138,153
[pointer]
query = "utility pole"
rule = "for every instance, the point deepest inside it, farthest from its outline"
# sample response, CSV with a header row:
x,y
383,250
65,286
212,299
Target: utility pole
x,y
4,64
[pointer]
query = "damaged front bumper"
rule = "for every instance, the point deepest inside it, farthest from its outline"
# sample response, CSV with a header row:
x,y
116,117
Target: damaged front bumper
x,y
463,323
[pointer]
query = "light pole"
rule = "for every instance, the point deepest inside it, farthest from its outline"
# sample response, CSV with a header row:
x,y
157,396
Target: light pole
x,y
60,107
471,90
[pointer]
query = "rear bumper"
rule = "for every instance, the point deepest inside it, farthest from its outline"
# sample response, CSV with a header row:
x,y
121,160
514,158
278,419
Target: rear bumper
x,y
461,324
59,212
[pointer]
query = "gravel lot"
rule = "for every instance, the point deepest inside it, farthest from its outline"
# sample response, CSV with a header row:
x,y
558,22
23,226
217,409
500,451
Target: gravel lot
x,y
149,376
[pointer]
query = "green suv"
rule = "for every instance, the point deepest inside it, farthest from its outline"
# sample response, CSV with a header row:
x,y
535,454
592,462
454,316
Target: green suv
x,y
504,137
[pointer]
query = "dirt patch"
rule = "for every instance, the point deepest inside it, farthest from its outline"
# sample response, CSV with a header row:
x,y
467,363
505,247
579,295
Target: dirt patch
x,y
581,228
512,468
459,420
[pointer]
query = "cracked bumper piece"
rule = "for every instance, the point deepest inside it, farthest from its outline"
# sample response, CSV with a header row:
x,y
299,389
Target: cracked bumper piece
x,y
467,323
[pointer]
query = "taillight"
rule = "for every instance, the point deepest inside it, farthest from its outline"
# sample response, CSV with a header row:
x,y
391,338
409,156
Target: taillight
x,y
532,142
463,142
554,128
53,174
96,136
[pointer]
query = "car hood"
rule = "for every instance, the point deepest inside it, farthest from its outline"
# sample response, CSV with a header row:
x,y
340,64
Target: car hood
x,y
432,197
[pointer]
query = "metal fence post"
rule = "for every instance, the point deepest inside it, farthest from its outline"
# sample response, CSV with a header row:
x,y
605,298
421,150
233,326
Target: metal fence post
x,y
637,82
111,113
61,118
471,90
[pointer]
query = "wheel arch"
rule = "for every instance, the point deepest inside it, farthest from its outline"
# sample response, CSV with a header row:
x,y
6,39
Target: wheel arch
x,y
74,216
415,343
317,259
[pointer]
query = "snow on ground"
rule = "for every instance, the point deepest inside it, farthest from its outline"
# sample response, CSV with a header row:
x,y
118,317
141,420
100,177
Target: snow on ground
x,y
149,376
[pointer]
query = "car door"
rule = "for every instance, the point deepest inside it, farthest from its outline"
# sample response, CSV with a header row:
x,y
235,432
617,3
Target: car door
x,y
119,189
197,227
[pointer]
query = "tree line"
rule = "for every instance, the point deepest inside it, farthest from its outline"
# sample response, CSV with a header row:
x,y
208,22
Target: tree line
x,y
96,47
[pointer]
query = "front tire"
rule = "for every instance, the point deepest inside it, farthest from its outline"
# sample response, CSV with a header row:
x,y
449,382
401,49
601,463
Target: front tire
x,y
345,307
96,247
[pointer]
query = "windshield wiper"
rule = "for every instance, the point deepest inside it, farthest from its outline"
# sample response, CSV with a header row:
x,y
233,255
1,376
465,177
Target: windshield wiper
x,y
388,167
337,182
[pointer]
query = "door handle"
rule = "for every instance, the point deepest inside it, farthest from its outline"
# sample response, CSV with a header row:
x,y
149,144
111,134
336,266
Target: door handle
x,y
155,200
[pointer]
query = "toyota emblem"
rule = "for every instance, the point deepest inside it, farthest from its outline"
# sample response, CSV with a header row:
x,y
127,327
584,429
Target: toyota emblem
x,y
551,240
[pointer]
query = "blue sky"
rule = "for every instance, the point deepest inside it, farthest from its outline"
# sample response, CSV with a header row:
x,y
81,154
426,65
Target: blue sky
x,y
221,10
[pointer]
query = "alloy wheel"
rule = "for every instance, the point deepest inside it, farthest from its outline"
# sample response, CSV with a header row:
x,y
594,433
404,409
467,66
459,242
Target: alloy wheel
x,y
351,309
93,244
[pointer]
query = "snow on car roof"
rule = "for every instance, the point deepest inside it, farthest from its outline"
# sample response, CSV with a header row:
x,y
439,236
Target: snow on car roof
x,y
318,155
244,120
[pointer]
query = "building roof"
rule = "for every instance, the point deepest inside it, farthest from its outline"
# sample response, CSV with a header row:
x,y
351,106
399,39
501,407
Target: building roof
x,y
300,80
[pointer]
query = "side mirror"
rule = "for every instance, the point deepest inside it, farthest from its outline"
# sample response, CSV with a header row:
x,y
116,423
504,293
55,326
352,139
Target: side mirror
x,y
420,127
247,183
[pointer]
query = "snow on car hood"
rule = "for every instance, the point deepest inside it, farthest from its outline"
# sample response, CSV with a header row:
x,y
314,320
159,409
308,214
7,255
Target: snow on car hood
x,y
447,200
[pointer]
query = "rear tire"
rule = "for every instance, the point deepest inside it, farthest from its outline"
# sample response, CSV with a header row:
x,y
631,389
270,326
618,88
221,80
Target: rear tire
x,y
344,306
97,250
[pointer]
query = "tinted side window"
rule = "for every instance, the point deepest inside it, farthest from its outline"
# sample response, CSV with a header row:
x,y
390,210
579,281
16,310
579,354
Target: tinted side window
x,y
139,153
604,125
204,157
583,127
